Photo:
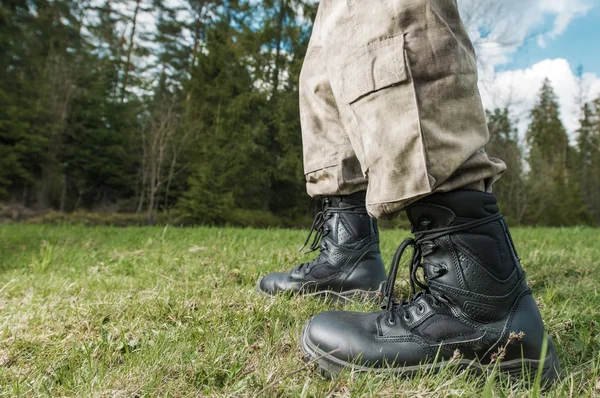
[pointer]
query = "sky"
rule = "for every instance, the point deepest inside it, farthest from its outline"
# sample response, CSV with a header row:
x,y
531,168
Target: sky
x,y
521,42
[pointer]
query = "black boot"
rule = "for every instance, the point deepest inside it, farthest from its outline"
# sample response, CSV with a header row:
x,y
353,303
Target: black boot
x,y
349,263
475,300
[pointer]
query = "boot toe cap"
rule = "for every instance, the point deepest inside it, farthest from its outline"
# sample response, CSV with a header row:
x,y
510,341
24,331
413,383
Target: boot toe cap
x,y
354,339
346,336
276,283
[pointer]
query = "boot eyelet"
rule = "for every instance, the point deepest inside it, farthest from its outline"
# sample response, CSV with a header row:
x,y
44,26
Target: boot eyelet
x,y
421,308
406,317
391,321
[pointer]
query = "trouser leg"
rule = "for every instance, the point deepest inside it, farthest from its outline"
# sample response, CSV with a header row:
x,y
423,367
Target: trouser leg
x,y
330,163
397,88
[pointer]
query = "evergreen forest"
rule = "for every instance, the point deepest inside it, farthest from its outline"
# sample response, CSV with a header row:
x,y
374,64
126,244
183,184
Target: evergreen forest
x,y
188,111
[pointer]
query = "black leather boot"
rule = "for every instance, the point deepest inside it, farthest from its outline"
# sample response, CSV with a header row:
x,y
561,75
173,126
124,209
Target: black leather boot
x,y
474,309
349,263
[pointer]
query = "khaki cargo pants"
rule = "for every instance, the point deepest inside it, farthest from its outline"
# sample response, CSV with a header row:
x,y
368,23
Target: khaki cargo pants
x,y
389,103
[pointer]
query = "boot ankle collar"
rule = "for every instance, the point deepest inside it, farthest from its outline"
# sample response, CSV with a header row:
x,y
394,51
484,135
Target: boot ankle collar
x,y
443,210
426,216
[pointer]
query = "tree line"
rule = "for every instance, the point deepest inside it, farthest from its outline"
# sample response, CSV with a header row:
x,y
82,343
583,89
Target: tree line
x,y
550,179
190,108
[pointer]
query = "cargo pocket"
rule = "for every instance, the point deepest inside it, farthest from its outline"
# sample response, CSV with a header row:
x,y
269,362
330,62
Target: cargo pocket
x,y
376,85
374,67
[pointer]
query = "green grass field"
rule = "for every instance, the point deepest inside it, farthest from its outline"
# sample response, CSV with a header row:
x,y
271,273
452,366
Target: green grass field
x,y
173,312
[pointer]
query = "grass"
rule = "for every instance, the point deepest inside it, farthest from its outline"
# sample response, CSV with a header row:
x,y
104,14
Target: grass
x,y
172,312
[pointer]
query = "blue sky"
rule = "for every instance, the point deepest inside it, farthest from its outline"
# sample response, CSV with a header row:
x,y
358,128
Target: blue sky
x,y
579,44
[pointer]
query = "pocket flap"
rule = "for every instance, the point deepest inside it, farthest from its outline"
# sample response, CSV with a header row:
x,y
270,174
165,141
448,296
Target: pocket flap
x,y
373,67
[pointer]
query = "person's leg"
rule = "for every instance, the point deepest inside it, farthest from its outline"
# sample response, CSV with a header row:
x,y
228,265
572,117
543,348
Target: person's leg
x,y
349,262
410,93
405,83
331,166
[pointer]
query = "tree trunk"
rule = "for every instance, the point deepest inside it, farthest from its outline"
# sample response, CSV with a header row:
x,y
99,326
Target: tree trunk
x,y
150,215
130,51
63,195
170,178
278,38
144,175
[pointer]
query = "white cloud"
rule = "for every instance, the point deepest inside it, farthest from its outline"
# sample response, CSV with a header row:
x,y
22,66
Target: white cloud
x,y
519,89
499,28
541,41
565,11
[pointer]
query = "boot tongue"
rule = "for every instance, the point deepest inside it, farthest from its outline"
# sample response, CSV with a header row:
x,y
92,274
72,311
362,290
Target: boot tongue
x,y
348,219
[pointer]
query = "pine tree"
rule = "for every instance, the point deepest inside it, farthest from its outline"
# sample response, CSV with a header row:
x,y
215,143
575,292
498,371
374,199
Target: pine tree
x,y
588,161
14,17
244,97
229,169
286,38
504,144
553,193
44,50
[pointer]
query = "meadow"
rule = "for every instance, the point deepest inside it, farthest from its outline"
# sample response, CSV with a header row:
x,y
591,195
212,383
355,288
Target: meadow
x,y
121,312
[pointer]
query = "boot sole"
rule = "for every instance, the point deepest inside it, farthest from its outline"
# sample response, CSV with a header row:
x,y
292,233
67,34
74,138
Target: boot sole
x,y
346,297
518,370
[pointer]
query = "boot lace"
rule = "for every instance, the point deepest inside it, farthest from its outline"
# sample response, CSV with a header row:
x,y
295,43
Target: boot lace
x,y
319,229
423,244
